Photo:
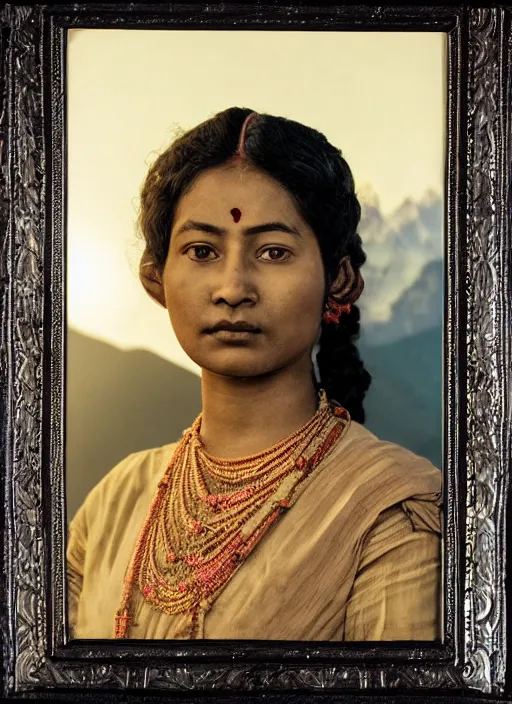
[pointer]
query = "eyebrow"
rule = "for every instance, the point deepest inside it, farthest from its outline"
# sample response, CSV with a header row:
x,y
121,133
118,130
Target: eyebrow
x,y
255,230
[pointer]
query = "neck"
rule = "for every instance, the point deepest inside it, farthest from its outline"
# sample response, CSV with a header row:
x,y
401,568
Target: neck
x,y
244,416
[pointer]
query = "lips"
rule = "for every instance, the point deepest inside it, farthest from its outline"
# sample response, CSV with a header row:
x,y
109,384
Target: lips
x,y
239,326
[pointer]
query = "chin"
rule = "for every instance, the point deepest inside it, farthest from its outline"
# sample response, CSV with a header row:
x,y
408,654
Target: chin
x,y
238,370
234,365
243,362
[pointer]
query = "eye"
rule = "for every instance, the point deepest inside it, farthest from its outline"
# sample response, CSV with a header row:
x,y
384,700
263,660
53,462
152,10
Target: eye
x,y
275,254
200,252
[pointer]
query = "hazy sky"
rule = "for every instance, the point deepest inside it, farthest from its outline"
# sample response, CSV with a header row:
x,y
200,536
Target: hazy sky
x,y
378,96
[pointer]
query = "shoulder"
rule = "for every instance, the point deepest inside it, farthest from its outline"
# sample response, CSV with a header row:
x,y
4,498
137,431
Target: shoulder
x,y
367,476
388,462
136,469
372,444
134,479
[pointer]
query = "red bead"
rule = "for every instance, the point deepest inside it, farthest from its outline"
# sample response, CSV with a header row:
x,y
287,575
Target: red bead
x,y
197,527
193,560
330,317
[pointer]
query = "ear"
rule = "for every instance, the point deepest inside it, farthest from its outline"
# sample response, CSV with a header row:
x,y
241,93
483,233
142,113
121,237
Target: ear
x,y
151,279
349,284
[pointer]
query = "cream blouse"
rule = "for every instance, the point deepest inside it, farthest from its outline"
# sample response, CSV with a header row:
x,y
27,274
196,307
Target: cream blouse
x,y
357,557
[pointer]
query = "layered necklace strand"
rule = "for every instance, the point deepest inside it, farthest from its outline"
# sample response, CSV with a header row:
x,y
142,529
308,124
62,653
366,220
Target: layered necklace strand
x,y
209,513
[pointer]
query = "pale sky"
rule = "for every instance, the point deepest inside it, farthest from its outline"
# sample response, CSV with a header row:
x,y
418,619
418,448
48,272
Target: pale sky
x,y
378,96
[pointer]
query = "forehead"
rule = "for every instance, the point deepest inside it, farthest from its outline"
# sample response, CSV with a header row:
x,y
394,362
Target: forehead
x,y
221,189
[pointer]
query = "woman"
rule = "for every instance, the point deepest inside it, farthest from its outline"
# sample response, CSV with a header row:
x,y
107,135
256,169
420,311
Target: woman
x,y
277,515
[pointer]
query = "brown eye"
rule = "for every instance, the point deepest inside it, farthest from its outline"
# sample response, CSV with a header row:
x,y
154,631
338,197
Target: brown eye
x,y
275,254
200,252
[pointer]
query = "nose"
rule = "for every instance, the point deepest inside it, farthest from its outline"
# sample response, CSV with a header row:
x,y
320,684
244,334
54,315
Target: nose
x,y
235,284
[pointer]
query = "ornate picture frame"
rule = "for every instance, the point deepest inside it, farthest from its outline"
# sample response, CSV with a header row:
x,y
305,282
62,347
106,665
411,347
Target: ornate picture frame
x,y
39,660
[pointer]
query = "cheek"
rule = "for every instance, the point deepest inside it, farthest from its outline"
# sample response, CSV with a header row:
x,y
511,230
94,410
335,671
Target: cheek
x,y
181,294
309,288
301,303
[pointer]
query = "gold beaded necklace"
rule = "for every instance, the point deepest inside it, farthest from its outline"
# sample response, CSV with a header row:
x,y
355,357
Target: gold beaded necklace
x,y
208,514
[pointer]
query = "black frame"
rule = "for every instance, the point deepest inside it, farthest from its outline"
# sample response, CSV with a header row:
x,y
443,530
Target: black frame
x,y
473,660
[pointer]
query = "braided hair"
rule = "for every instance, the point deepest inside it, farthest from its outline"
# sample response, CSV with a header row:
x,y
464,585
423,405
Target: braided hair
x,y
318,179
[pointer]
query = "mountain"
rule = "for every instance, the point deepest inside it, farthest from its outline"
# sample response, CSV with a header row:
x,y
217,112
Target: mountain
x,y
398,247
419,307
119,402
404,403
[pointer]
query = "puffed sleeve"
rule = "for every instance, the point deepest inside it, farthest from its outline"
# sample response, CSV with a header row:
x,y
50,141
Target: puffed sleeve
x,y
396,594
76,550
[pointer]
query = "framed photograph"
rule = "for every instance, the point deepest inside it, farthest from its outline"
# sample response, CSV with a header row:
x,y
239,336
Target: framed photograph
x,y
115,134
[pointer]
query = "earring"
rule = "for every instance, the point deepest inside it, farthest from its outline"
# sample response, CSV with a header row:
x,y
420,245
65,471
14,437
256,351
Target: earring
x,y
335,310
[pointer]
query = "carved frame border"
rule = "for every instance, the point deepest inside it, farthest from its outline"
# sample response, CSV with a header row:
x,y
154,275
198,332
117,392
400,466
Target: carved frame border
x,y
38,659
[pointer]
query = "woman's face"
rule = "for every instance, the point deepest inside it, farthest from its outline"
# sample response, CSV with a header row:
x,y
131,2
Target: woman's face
x,y
241,254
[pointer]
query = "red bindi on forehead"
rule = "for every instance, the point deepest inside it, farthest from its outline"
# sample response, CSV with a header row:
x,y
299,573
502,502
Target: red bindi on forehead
x,y
236,214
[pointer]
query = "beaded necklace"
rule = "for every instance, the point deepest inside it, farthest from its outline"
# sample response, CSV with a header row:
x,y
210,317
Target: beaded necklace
x,y
208,514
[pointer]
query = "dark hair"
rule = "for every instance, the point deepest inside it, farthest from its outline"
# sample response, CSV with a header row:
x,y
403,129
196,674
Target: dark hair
x,y
318,178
